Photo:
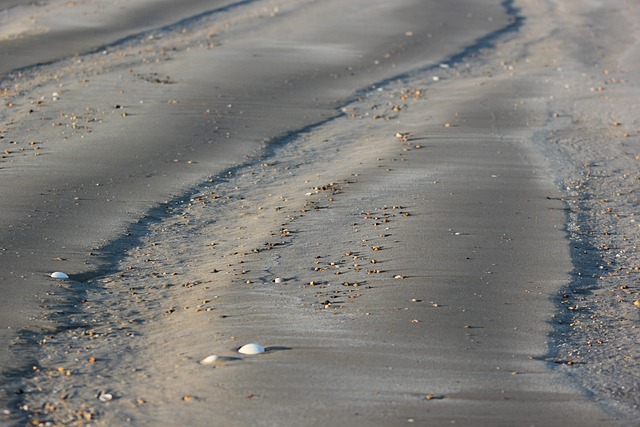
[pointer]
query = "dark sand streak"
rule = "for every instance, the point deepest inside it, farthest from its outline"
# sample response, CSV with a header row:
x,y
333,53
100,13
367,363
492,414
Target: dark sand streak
x,y
21,54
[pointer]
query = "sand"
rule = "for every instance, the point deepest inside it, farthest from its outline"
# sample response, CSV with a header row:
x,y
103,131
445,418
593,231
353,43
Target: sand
x,y
158,125
411,242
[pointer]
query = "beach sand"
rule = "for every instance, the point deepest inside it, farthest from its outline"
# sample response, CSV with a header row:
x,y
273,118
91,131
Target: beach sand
x,y
424,214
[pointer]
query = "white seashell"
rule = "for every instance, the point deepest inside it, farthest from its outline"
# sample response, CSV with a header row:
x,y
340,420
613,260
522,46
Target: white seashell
x,y
105,397
59,275
209,360
278,280
252,348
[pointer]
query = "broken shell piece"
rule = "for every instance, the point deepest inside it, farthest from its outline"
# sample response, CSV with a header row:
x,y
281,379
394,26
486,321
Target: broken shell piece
x,y
209,360
252,348
59,275
278,280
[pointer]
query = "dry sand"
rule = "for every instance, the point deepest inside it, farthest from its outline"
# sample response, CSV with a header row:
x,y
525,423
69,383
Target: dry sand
x,y
425,250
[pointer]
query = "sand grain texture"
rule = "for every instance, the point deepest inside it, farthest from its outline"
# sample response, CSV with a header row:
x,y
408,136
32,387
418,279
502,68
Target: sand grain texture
x,y
425,239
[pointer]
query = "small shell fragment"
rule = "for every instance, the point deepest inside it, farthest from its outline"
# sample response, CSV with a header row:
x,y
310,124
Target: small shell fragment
x,y
209,360
252,348
278,280
105,397
59,275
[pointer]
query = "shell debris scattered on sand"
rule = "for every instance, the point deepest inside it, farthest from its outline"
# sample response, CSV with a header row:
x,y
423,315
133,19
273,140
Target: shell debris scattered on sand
x,y
252,348
209,360
59,275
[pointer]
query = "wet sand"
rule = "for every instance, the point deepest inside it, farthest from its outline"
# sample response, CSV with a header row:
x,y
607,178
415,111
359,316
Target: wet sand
x,y
418,227
154,130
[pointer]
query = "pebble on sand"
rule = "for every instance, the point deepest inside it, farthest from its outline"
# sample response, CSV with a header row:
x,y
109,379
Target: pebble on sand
x,y
252,348
59,275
